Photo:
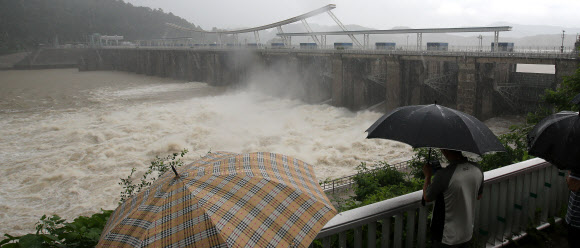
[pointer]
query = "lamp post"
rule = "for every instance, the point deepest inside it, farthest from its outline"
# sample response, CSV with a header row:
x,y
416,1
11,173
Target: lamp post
x,y
562,47
407,42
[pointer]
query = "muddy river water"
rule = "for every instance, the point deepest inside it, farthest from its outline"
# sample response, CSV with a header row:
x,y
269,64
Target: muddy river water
x,y
67,137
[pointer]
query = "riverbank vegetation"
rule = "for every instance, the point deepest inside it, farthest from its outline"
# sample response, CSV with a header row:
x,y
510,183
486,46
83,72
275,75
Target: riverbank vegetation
x,y
28,24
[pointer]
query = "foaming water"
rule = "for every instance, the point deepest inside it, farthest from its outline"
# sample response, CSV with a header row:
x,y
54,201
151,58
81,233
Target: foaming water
x,y
65,156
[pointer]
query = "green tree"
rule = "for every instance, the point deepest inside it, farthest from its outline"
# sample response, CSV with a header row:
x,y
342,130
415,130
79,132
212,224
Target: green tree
x,y
561,97
26,23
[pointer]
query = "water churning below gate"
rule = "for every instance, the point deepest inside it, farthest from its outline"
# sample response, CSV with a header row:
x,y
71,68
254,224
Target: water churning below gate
x,y
67,137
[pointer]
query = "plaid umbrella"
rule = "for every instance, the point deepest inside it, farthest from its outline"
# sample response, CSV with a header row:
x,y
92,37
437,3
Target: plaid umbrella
x,y
225,200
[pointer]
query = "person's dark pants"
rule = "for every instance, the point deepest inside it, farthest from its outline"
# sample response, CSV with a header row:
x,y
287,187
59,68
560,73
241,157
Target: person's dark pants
x,y
573,236
462,245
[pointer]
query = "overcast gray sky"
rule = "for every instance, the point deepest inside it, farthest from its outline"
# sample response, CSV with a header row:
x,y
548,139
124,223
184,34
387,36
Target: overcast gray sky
x,y
378,14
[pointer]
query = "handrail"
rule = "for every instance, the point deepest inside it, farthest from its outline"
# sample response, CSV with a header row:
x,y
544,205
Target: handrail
x,y
373,212
512,194
341,182
514,170
487,54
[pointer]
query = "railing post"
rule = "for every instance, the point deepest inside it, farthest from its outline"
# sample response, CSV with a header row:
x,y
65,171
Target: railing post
x,y
510,215
342,239
358,237
422,227
533,196
372,235
562,189
554,192
326,242
484,226
526,201
398,238
546,197
493,213
518,205
501,211
386,233
410,237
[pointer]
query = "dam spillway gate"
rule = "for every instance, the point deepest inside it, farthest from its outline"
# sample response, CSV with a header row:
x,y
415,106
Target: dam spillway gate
x,y
481,86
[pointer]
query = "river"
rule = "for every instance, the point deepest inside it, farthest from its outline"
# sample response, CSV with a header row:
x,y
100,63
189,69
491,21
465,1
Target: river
x,y
67,137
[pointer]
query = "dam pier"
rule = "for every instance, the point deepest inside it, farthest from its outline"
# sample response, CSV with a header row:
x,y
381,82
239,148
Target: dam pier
x,y
481,84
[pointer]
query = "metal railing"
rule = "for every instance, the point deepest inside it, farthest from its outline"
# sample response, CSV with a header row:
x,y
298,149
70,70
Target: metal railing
x,y
522,53
346,182
515,197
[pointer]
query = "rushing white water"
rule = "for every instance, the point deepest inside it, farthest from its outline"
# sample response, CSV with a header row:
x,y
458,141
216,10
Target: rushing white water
x,y
66,137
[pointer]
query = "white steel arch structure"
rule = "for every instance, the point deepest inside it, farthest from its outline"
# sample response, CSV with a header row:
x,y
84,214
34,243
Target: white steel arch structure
x,y
287,37
278,25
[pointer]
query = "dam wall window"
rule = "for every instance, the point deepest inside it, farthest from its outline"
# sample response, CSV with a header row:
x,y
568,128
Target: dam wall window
x,y
437,46
503,46
308,46
277,45
385,45
342,45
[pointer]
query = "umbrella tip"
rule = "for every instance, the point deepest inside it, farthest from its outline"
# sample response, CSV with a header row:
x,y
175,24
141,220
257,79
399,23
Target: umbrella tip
x,y
174,171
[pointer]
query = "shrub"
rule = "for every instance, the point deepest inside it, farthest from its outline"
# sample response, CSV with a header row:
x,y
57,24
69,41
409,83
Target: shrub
x,y
157,168
516,148
368,180
56,232
383,193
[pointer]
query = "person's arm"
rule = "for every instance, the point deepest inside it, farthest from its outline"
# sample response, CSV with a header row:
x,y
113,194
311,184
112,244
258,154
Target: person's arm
x,y
436,184
573,181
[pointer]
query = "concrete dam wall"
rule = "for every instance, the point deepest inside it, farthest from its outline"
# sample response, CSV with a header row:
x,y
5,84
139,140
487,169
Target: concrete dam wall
x,y
51,58
481,86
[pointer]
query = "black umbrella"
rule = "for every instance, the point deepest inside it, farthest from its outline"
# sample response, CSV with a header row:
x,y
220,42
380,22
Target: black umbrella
x,y
556,139
435,126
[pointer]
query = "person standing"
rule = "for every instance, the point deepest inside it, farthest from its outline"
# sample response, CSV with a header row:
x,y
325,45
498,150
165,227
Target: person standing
x,y
573,213
455,190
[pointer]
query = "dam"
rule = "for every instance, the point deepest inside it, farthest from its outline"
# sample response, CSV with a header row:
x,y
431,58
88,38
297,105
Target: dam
x,y
478,83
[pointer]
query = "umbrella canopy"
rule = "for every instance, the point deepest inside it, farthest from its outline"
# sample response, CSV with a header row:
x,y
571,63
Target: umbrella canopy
x,y
435,126
225,200
556,139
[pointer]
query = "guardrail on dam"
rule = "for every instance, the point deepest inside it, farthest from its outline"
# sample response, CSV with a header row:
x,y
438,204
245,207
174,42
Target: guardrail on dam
x,y
483,85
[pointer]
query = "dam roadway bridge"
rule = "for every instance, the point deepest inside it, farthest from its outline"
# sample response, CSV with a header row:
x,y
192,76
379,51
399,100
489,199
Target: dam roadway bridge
x,y
482,84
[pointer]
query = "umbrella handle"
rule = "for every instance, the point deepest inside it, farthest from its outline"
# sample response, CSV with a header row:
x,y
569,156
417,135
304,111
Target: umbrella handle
x,y
174,171
429,156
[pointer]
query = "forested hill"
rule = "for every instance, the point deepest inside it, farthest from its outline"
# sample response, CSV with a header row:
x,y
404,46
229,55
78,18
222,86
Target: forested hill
x,y
27,23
